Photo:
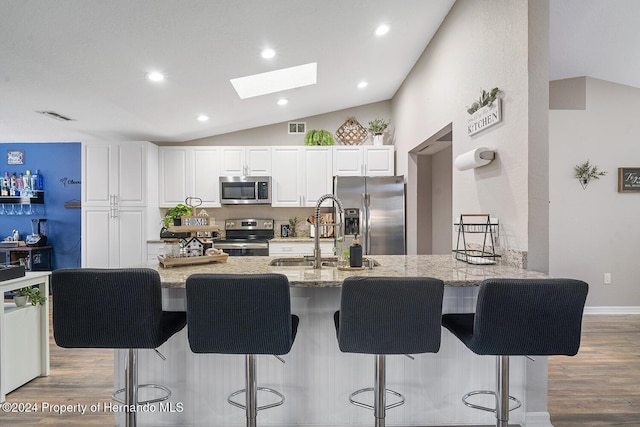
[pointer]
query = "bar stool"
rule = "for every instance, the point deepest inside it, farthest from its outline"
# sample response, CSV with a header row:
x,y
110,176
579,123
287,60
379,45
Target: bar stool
x,y
246,314
388,315
118,309
520,317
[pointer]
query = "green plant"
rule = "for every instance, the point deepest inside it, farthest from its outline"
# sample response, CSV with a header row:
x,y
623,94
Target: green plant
x,y
486,98
585,173
318,137
378,126
33,293
176,212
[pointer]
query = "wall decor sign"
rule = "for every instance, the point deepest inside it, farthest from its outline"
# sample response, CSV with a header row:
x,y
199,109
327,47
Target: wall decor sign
x,y
195,221
484,118
15,157
628,180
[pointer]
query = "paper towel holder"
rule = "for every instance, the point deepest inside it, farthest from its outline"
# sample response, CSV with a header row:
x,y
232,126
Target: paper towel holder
x,y
480,156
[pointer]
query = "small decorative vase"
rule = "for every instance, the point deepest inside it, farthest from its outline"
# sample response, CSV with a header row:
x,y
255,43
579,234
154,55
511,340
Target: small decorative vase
x,y
20,300
378,139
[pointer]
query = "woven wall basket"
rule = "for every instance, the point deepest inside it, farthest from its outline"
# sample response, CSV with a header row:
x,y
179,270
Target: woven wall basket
x,y
351,132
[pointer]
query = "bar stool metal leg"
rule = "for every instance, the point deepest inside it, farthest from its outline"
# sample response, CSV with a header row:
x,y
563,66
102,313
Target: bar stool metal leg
x,y
252,390
131,386
379,391
502,391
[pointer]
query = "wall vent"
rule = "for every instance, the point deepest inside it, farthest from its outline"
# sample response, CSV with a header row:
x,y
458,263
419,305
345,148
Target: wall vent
x,y
297,127
56,116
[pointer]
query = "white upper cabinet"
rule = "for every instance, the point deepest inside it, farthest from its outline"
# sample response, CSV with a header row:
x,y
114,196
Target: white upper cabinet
x,y
363,160
245,161
300,175
189,172
114,171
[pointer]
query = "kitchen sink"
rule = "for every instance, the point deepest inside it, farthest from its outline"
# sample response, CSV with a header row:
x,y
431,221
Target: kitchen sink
x,y
308,262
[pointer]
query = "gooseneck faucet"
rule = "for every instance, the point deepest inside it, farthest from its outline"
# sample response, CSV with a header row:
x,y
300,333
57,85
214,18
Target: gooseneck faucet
x,y
317,256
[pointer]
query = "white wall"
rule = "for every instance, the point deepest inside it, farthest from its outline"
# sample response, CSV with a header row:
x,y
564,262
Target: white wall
x,y
595,231
481,45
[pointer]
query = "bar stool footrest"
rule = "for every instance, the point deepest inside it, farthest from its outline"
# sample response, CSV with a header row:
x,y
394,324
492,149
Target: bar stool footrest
x,y
162,398
370,389
259,408
484,408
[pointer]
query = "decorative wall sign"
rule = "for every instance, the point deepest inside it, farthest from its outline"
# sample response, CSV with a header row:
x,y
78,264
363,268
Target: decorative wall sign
x,y
351,132
15,157
195,221
628,180
485,117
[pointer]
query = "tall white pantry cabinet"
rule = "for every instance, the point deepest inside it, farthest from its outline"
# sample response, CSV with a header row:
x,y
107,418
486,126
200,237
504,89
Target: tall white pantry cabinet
x,y
115,203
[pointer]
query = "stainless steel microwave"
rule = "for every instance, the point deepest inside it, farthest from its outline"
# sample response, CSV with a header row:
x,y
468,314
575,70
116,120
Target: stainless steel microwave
x,y
245,190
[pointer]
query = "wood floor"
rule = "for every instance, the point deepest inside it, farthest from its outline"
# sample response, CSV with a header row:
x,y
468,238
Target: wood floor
x,y
598,387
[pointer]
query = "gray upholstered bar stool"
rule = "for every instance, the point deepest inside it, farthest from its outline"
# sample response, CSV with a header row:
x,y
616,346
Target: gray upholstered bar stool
x,y
246,314
388,315
520,317
114,308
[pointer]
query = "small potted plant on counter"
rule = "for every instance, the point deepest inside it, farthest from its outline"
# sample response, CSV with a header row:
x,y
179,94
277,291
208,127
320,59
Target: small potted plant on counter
x,y
32,293
173,215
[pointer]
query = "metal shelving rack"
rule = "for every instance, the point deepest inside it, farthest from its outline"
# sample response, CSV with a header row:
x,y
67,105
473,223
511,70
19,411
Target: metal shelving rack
x,y
477,224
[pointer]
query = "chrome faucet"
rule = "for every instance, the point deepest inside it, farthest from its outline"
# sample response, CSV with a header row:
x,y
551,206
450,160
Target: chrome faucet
x,y
317,256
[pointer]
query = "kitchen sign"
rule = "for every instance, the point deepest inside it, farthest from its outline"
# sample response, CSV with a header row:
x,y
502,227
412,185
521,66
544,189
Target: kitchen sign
x,y
484,118
628,180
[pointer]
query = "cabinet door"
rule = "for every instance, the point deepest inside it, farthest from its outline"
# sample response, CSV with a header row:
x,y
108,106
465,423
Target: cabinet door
x,y
348,161
379,161
97,174
206,175
128,245
258,161
232,161
172,175
286,176
96,237
317,174
131,164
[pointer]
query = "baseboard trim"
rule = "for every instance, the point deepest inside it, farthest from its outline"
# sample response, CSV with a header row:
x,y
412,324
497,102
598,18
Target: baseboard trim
x,y
612,310
537,419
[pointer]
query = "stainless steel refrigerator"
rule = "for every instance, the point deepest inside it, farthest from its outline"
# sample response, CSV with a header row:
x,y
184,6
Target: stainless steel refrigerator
x,y
374,208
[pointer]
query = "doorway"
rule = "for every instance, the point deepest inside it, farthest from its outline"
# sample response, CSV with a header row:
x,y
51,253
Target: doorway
x,y
433,171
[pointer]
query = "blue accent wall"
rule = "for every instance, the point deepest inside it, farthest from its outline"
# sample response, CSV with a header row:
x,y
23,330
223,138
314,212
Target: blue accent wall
x,y
60,165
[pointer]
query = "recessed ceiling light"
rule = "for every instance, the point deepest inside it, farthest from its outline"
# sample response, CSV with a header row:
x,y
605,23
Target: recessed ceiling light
x,y
155,76
268,53
283,101
381,30
203,118
276,81
362,85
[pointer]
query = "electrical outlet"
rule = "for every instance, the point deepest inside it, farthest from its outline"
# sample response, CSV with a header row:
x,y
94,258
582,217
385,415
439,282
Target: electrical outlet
x,y
607,278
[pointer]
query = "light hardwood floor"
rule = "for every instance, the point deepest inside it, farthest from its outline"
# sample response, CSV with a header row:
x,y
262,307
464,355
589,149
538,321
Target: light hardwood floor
x,y
598,387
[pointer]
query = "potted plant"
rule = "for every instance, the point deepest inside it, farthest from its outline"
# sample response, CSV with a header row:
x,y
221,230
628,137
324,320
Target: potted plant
x,y
318,137
173,215
585,173
32,293
377,127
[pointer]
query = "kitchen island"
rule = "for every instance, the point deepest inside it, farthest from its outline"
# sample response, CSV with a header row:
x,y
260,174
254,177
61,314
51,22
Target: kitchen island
x,y
317,378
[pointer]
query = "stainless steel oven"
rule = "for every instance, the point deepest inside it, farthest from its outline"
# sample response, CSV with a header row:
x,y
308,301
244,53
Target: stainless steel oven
x,y
245,190
246,237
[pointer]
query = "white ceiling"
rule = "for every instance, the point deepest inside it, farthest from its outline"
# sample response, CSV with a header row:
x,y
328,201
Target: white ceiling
x,y
87,59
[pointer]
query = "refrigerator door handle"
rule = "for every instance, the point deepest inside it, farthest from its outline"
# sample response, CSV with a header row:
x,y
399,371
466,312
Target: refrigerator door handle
x,y
367,228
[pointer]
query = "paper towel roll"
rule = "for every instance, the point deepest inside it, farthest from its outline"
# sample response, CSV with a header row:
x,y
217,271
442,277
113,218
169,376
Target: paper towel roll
x,y
475,158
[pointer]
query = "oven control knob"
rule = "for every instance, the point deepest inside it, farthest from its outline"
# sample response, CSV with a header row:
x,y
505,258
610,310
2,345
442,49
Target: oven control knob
x,y
267,224
230,224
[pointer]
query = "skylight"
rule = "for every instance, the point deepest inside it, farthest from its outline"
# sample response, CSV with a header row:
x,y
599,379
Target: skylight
x,y
276,81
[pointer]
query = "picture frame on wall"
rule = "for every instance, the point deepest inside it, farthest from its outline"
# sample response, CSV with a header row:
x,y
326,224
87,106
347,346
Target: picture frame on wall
x,y
629,180
15,157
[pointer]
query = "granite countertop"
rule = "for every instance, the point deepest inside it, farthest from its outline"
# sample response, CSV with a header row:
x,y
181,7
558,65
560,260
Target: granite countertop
x,y
444,267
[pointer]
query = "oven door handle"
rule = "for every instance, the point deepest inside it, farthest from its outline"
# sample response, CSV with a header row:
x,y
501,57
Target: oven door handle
x,y
241,246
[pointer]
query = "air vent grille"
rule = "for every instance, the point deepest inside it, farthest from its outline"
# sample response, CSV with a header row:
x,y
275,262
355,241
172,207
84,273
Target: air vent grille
x,y
56,116
297,127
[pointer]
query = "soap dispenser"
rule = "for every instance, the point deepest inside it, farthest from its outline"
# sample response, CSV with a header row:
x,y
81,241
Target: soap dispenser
x,y
355,253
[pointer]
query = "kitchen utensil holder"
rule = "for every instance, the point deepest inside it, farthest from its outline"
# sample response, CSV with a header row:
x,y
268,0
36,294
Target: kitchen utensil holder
x,y
477,224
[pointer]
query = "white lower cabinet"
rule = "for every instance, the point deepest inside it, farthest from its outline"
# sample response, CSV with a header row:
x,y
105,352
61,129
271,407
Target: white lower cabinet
x,y
299,248
153,250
